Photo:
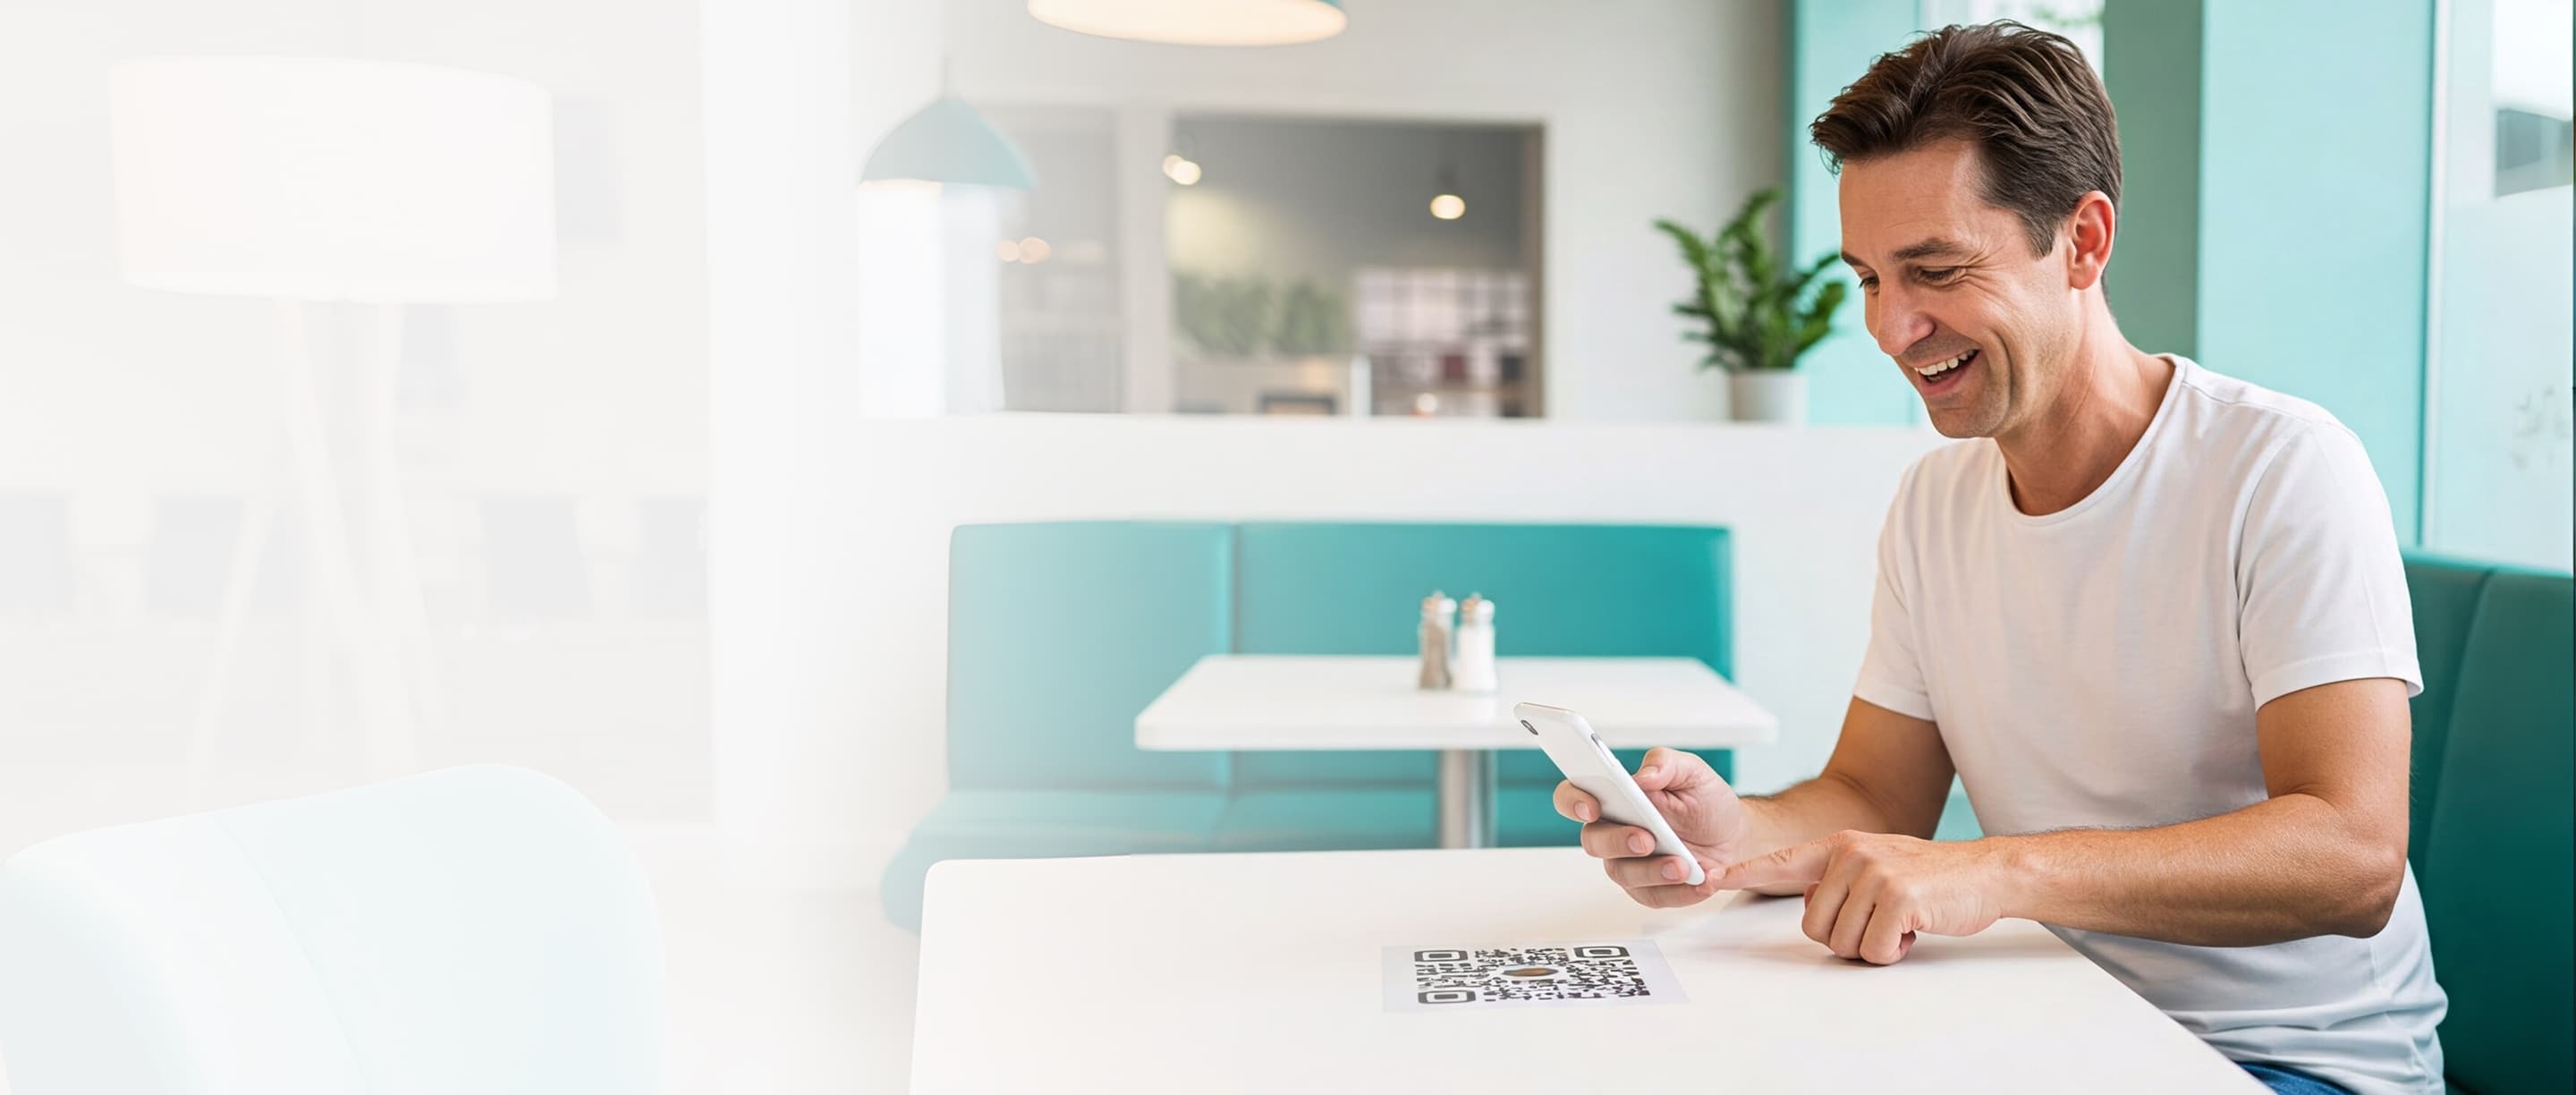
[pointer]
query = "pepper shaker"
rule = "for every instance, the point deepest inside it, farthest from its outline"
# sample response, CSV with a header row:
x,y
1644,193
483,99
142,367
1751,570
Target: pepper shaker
x,y
1435,639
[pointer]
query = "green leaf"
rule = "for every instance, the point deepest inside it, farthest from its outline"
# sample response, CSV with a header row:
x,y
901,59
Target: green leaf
x,y
1752,306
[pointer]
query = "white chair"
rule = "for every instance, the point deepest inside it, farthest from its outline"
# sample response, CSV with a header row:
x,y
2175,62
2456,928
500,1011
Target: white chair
x,y
478,929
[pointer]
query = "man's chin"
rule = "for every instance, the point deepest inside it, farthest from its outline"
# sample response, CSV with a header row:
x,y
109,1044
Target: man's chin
x,y
1960,424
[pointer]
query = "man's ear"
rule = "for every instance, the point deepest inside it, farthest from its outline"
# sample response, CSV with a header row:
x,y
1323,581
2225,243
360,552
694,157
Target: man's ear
x,y
2088,235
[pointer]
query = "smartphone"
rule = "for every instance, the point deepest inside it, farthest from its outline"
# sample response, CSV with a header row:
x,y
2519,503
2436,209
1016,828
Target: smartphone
x,y
1588,765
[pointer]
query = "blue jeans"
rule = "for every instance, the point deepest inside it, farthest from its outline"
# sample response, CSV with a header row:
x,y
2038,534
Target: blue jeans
x,y
2284,1081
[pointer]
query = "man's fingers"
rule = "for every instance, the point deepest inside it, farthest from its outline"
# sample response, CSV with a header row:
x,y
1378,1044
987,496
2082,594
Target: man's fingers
x,y
1796,865
1831,896
1859,907
1888,937
1604,840
1824,905
1573,804
1642,873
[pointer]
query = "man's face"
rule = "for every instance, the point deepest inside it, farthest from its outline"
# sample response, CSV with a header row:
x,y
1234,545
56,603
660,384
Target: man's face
x,y
1946,275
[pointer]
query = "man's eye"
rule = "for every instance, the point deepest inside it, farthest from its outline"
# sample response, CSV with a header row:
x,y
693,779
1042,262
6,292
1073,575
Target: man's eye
x,y
1869,281
1937,274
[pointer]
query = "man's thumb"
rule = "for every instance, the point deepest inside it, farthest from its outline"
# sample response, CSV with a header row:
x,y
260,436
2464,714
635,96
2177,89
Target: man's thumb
x,y
1660,768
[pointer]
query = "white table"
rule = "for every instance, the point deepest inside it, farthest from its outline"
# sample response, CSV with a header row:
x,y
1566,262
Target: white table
x,y
1261,973
1241,701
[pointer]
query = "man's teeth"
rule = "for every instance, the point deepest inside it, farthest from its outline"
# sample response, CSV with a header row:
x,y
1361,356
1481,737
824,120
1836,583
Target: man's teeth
x,y
1939,367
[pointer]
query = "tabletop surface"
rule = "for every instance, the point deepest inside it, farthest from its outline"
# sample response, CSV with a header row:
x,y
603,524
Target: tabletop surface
x,y
1243,701
1268,973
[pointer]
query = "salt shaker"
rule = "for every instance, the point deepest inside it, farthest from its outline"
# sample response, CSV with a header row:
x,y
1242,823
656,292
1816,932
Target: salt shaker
x,y
1435,639
1473,669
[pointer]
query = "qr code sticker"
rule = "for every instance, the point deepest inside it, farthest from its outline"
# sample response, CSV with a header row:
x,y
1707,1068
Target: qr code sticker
x,y
1625,971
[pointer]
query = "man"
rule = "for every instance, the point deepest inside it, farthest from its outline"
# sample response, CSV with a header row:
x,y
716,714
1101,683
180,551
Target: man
x,y
2152,617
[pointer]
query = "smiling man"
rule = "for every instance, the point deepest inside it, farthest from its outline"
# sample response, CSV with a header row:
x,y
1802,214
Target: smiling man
x,y
2153,618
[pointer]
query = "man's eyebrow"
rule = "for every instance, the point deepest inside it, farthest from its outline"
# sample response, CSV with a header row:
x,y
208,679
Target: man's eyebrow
x,y
1930,248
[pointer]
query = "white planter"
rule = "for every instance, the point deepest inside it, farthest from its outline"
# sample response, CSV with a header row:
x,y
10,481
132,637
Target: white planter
x,y
1768,396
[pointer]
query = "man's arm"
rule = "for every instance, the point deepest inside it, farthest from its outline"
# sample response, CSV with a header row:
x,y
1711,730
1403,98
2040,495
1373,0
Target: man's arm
x,y
1889,774
2325,854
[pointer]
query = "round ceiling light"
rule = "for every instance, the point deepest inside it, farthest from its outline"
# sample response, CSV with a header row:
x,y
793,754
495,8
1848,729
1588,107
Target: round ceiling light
x,y
1197,22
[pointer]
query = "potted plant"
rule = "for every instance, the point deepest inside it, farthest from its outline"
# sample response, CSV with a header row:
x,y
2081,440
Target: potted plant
x,y
1227,317
1313,322
1759,314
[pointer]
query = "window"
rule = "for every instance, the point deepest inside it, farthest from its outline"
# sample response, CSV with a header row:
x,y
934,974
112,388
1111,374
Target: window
x,y
2498,421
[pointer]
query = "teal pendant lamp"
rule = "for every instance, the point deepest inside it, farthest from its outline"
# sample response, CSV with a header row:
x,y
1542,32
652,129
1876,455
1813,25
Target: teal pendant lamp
x,y
949,143
1197,22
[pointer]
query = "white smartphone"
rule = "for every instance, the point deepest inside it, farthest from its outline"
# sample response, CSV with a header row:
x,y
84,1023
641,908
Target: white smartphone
x,y
1588,765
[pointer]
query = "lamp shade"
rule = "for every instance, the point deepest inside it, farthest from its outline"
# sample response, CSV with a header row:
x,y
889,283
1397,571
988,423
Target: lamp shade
x,y
948,142
1198,22
325,179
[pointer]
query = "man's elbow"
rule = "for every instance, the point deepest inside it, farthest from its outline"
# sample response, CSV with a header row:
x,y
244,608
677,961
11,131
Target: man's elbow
x,y
2372,884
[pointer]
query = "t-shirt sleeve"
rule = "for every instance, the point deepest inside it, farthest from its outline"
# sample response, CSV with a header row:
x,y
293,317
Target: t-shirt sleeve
x,y
1890,674
2321,589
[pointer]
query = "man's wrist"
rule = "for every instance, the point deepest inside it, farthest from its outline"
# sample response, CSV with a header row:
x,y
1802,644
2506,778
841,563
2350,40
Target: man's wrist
x,y
2017,875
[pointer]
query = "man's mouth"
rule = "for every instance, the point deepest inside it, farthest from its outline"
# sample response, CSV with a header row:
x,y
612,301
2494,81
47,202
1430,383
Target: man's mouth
x,y
1943,374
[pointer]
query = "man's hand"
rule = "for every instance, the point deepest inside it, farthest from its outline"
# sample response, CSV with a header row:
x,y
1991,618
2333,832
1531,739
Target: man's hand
x,y
1700,807
1869,893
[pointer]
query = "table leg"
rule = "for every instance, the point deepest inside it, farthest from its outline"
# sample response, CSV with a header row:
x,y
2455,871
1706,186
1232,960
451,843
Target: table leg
x,y
1466,798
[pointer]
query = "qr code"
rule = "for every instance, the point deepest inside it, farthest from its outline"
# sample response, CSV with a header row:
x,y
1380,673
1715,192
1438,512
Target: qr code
x,y
1631,971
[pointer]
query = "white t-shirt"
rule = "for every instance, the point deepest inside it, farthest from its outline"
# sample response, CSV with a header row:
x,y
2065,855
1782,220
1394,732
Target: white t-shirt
x,y
2099,667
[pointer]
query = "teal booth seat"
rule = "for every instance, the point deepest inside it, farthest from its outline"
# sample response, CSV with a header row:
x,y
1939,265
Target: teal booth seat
x,y
2494,837
1060,633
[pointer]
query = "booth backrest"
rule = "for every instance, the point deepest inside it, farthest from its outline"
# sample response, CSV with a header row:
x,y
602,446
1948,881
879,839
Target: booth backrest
x,y
2497,864
1559,590
1059,633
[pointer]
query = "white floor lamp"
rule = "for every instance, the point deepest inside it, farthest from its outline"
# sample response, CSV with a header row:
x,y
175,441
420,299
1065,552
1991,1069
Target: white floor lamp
x,y
318,180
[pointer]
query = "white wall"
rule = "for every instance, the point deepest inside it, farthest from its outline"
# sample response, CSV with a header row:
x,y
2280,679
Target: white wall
x,y
1652,108
1805,507
798,334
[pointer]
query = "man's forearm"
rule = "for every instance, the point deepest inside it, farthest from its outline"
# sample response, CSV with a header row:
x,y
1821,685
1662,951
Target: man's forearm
x,y
2289,867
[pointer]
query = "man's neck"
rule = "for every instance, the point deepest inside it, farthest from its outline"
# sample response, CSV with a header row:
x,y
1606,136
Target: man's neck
x,y
2110,396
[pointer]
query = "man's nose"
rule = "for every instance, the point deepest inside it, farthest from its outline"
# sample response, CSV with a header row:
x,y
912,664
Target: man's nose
x,y
1896,323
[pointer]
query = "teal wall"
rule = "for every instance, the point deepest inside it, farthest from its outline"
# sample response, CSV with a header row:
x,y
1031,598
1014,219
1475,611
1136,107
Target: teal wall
x,y
2315,161
1831,42
2151,65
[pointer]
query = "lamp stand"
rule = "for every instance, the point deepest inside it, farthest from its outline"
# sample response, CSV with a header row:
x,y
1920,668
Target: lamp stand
x,y
380,630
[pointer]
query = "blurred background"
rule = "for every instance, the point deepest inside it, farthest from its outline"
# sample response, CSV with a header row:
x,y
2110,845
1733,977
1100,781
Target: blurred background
x,y
658,500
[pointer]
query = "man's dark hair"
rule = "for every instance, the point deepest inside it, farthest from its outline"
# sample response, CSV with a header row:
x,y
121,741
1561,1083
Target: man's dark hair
x,y
2035,110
